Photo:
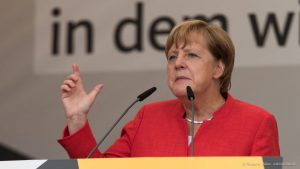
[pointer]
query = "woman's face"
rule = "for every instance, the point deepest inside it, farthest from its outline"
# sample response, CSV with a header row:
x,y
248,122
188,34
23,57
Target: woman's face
x,y
193,65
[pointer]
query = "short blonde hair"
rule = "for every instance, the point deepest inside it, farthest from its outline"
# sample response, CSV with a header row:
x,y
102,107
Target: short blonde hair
x,y
217,40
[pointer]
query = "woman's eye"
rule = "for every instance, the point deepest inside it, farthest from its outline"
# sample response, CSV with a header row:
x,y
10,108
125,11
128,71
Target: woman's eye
x,y
172,57
192,55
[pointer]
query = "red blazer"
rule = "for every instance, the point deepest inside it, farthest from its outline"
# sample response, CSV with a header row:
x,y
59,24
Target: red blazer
x,y
159,129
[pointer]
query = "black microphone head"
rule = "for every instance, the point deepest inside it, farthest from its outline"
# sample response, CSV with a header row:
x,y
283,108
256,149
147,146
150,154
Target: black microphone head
x,y
146,93
190,93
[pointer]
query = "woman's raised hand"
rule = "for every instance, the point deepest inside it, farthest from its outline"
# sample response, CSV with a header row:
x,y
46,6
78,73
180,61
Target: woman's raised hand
x,y
76,101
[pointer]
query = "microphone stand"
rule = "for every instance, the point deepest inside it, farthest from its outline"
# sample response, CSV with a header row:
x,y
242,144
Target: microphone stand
x,y
107,133
139,98
193,126
191,97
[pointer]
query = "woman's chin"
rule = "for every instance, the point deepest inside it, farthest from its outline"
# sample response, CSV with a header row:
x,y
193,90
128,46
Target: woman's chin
x,y
180,93
179,89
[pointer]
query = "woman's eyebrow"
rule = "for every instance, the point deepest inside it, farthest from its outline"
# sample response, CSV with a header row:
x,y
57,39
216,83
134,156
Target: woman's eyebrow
x,y
174,51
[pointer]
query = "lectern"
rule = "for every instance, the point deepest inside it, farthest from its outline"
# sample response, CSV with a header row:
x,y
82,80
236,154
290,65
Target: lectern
x,y
150,163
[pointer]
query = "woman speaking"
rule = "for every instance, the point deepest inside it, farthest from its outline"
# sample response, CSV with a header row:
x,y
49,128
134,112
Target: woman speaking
x,y
199,55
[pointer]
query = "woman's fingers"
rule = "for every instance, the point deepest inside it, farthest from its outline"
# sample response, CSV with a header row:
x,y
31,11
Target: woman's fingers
x,y
73,77
70,83
71,80
76,70
96,91
65,88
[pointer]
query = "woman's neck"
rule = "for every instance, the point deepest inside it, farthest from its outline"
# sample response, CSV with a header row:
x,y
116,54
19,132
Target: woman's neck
x,y
204,106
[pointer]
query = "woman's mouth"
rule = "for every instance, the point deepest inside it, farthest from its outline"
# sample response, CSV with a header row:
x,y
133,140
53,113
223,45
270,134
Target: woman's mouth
x,y
181,78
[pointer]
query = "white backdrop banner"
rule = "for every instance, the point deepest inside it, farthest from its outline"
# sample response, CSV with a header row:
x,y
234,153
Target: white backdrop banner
x,y
129,35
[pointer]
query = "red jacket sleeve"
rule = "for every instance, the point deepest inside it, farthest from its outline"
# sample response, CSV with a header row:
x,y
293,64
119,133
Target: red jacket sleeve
x,y
266,142
79,144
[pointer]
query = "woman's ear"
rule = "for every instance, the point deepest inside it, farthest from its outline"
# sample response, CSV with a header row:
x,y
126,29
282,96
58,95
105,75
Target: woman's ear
x,y
219,69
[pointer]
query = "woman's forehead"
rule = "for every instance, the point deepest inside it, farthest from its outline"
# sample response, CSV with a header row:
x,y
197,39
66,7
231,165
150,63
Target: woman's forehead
x,y
190,40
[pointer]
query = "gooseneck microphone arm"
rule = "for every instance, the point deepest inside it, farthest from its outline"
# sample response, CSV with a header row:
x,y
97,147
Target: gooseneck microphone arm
x,y
139,98
191,97
114,125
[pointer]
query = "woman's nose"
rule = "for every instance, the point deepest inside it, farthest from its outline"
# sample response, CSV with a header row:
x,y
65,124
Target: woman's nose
x,y
180,62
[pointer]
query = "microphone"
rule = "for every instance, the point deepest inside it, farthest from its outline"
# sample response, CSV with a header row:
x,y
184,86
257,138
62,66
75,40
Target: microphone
x,y
190,93
191,97
146,93
139,98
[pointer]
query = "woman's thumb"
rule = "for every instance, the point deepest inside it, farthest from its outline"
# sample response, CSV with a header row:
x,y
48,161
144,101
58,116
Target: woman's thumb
x,y
93,93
